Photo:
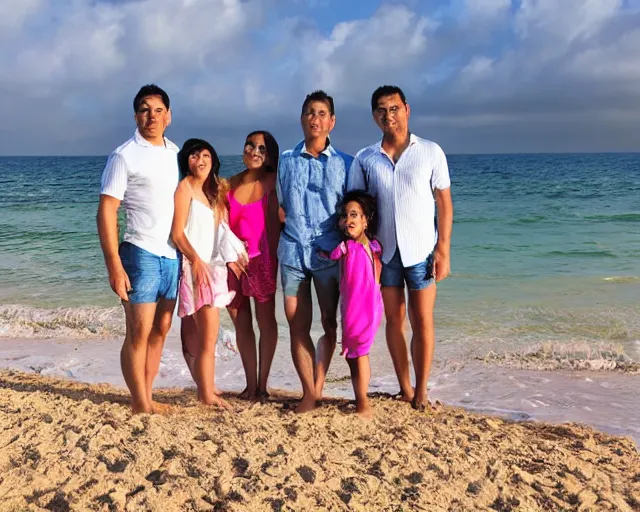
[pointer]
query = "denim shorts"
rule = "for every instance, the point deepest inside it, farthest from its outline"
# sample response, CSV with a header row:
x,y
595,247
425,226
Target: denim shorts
x,y
417,277
292,277
152,277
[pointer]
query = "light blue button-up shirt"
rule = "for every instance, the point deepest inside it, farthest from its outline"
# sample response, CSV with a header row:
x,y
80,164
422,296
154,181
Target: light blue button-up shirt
x,y
309,189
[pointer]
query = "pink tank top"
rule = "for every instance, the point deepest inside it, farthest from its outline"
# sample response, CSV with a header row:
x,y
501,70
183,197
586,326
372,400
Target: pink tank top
x,y
247,221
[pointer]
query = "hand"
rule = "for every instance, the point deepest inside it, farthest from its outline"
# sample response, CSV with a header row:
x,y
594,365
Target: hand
x,y
441,264
243,261
199,272
235,268
119,281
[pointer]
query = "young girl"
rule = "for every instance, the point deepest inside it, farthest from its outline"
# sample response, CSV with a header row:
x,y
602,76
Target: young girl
x,y
202,236
360,297
253,217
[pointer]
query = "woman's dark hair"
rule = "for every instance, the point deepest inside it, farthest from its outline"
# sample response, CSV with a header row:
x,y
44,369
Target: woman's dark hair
x,y
211,184
273,150
369,207
150,90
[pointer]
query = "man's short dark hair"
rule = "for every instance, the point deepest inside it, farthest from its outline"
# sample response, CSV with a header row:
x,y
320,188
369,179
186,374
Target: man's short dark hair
x,y
150,90
319,96
386,90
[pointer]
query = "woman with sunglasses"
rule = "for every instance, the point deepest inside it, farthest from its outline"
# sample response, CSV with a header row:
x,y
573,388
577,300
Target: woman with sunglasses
x,y
253,217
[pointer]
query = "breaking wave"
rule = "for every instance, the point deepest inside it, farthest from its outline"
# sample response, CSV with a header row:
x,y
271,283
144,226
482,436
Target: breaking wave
x,y
19,321
566,356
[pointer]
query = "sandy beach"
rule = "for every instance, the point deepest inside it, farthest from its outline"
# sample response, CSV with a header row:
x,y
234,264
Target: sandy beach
x,y
72,446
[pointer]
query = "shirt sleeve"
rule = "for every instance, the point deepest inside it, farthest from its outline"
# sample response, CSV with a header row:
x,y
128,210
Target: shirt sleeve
x,y
339,251
230,247
356,176
440,175
114,177
278,178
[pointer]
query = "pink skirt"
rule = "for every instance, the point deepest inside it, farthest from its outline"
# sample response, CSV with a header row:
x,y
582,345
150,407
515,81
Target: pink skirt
x,y
259,280
213,291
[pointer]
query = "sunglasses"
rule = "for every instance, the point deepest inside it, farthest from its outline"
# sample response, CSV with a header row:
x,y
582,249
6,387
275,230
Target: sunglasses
x,y
250,147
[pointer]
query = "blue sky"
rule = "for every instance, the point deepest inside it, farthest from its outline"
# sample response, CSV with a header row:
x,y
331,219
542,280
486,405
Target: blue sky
x,y
482,76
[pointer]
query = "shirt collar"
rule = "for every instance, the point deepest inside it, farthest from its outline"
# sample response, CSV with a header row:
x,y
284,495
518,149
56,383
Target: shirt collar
x,y
145,143
328,151
413,139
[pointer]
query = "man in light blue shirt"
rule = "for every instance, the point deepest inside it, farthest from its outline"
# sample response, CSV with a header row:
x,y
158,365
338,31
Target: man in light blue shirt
x,y
311,182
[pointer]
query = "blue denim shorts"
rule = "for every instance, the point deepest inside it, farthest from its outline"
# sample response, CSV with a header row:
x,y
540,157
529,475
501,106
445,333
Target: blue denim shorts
x,y
152,277
292,277
417,277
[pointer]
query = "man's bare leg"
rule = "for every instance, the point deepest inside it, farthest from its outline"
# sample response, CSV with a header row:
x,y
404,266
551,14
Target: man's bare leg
x,y
266,317
133,355
421,304
159,330
395,313
299,315
328,294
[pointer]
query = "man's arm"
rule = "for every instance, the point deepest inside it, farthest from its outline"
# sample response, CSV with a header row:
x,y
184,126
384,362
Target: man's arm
x,y
356,180
281,213
107,220
441,186
442,253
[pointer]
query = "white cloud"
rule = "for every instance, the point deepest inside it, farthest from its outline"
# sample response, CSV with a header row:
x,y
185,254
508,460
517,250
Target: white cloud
x,y
13,13
357,54
487,9
230,67
564,20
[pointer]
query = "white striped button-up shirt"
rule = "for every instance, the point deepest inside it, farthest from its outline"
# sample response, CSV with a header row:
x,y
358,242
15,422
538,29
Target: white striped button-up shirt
x,y
405,195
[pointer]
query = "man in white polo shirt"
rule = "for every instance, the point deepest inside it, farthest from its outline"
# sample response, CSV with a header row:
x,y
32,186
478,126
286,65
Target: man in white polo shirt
x,y
406,173
142,174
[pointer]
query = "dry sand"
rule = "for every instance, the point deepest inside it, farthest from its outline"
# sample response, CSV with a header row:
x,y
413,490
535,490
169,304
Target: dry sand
x,y
70,446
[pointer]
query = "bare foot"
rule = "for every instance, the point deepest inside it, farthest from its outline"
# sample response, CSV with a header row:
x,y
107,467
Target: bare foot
x,y
158,408
402,397
263,396
141,409
306,405
217,401
217,392
365,413
420,404
246,395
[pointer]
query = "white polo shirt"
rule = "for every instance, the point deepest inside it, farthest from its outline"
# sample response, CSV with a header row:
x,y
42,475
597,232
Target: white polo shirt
x,y
144,177
405,195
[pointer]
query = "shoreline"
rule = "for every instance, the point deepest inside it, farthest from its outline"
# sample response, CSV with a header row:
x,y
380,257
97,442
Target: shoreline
x,y
73,446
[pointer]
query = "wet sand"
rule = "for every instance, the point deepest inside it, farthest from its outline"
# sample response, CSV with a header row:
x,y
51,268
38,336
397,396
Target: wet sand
x,y
71,446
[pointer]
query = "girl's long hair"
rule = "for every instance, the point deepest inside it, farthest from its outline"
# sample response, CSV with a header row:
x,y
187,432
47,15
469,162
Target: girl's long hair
x,y
215,189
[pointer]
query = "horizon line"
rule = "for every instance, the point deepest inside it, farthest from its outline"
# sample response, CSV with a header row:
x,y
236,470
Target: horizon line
x,y
513,153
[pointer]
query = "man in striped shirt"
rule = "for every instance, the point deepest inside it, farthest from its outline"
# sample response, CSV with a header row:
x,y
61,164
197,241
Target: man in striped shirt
x,y
406,173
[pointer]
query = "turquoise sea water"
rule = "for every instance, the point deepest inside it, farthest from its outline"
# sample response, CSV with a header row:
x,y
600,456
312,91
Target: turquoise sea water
x,y
545,248
545,253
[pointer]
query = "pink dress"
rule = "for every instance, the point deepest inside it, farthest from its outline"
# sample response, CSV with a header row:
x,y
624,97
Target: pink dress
x,y
248,223
360,297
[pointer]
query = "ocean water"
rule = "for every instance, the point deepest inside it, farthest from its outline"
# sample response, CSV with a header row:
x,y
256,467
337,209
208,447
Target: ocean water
x,y
545,252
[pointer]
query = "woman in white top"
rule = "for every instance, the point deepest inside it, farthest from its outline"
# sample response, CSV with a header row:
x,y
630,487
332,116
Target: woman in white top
x,y
201,233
